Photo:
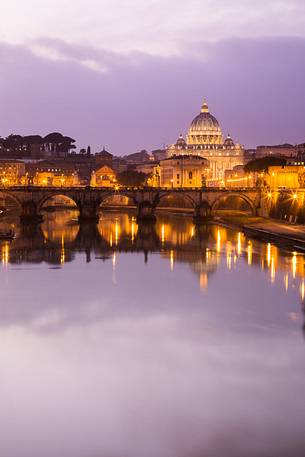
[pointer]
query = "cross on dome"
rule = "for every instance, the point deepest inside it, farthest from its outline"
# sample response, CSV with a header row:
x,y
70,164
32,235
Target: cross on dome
x,y
204,108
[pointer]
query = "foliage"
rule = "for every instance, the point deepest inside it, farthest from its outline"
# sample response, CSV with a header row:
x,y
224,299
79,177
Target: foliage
x,y
259,165
131,178
52,142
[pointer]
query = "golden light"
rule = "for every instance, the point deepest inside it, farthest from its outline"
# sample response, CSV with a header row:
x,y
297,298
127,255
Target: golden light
x,y
286,281
272,270
5,253
62,252
302,290
114,260
203,280
239,247
172,260
269,194
294,264
295,196
218,244
117,231
268,254
162,233
249,252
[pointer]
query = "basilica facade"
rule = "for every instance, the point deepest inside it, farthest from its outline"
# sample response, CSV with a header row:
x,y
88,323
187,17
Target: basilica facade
x,y
205,139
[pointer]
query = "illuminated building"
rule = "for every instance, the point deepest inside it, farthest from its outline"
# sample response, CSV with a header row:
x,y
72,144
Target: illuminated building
x,y
238,178
103,177
183,171
11,172
205,139
290,177
53,174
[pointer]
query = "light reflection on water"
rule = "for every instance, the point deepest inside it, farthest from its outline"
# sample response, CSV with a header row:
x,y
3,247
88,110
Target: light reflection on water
x,y
168,340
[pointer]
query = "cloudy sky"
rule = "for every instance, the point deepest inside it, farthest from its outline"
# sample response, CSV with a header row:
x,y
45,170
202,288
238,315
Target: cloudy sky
x,y
131,74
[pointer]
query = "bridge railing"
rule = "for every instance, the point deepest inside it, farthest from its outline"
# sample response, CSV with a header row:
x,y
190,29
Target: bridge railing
x,y
128,188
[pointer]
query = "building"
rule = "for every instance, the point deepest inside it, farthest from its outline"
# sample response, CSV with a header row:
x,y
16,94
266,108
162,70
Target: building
x,y
159,154
57,174
280,150
287,176
205,139
183,171
104,157
103,177
239,178
146,168
12,172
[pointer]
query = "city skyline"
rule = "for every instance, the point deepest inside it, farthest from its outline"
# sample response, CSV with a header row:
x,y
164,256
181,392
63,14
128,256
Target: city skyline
x,y
136,85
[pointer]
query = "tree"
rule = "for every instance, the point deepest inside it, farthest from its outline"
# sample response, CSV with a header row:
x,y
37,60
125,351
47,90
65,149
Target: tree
x,y
57,142
259,165
131,178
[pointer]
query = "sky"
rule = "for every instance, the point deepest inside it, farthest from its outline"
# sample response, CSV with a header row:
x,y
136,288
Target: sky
x,y
132,74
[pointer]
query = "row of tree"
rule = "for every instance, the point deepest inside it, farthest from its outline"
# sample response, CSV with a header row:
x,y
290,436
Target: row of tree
x,y
52,142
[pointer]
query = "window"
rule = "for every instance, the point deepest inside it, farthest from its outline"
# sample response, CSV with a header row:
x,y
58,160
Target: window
x,y
190,175
178,176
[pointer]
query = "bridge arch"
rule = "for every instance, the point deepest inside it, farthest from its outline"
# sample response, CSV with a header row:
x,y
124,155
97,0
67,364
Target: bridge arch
x,y
106,197
11,196
52,195
171,194
231,196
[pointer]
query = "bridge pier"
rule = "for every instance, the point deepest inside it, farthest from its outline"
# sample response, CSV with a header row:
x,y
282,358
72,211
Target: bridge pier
x,y
203,214
29,213
88,212
146,212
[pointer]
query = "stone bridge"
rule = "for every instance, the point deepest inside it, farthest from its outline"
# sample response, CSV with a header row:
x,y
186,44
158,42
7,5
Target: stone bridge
x,y
30,199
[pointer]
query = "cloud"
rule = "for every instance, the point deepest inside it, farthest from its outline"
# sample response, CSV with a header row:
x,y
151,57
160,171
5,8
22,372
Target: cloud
x,y
130,101
154,26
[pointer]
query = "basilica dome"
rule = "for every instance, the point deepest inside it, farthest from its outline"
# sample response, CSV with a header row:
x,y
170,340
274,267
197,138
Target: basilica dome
x,y
204,130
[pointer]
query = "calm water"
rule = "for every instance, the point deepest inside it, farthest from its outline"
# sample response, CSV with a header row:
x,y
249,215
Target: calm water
x,y
127,341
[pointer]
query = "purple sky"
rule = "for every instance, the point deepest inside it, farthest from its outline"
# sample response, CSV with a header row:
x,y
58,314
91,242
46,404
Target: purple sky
x,y
128,76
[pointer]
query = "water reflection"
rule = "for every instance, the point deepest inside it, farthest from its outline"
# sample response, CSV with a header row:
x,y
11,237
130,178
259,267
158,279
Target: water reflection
x,y
164,340
204,248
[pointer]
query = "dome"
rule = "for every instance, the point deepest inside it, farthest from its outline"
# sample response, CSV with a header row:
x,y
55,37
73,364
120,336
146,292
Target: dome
x,y
204,129
181,143
229,143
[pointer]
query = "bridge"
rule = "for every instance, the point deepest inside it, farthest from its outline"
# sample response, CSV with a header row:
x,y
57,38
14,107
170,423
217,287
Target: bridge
x,y
203,201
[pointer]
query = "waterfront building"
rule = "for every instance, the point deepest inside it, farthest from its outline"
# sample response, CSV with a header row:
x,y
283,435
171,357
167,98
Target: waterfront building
x,y
289,177
57,174
205,139
11,172
183,171
103,177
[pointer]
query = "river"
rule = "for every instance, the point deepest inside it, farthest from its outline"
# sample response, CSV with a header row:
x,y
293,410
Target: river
x,y
121,340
